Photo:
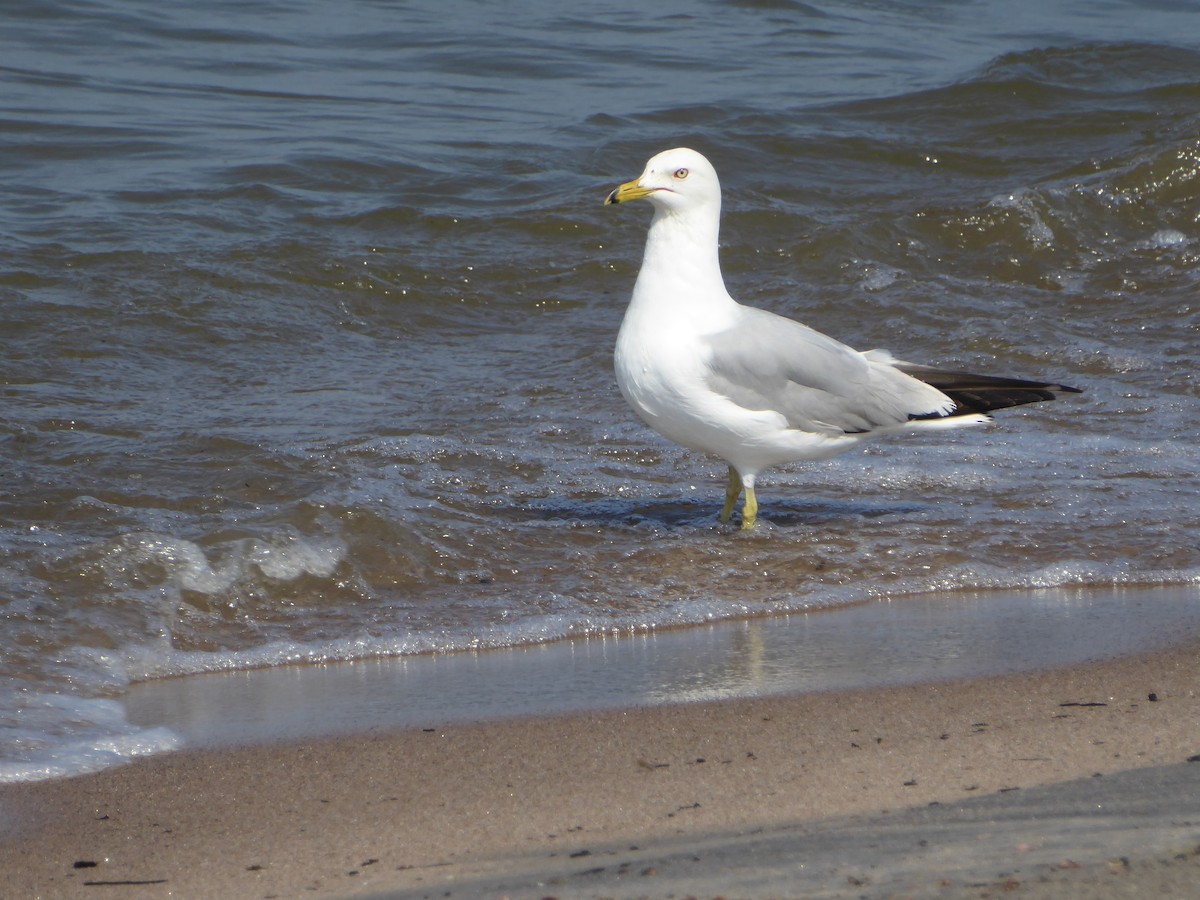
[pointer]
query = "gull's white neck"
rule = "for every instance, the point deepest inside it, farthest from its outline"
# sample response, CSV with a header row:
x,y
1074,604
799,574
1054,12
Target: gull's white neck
x,y
681,273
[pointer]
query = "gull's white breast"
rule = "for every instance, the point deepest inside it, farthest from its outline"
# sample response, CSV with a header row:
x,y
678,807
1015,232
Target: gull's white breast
x,y
663,364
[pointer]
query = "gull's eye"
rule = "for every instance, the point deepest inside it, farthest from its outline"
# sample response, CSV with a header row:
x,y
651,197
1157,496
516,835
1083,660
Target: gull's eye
x,y
681,174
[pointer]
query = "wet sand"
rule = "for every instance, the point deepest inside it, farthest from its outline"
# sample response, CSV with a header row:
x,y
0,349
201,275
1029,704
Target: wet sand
x,y
1066,782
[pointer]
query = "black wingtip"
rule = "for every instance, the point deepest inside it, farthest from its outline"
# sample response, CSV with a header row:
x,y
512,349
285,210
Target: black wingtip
x,y
983,393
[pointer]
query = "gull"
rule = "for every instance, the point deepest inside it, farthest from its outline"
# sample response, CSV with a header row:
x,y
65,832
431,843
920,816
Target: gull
x,y
751,387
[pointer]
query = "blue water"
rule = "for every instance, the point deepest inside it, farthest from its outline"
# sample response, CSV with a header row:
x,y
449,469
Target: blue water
x,y
307,314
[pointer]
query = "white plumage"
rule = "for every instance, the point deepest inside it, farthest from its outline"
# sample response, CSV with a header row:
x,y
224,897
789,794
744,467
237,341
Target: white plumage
x,y
751,387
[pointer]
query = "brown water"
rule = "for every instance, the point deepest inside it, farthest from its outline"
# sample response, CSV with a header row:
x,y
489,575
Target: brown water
x,y
307,315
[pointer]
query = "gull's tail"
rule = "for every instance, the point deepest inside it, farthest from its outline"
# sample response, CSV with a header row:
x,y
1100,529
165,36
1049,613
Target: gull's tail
x,y
974,394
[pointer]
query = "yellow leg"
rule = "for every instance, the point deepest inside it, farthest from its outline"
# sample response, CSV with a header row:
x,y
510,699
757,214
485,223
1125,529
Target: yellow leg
x,y
749,508
732,492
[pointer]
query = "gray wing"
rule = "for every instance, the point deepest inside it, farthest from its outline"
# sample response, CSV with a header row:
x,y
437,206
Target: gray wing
x,y
818,384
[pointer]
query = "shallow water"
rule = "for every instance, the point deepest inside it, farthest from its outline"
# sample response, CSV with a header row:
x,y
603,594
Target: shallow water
x,y
308,315
937,637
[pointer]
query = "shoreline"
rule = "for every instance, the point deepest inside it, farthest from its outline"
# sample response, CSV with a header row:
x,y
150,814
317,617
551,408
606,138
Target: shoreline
x,y
918,639
761,797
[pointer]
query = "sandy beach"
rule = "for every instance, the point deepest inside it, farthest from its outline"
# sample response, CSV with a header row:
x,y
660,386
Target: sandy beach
x,y
1063,782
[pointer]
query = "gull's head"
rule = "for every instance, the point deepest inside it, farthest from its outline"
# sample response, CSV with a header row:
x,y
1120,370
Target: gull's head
x,y
675,180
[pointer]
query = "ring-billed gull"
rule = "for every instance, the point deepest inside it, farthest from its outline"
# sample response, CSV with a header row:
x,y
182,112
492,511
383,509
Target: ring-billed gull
x,y
751,387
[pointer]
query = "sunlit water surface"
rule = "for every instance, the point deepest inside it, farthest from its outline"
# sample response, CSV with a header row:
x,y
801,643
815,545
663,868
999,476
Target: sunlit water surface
x,y
307,314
